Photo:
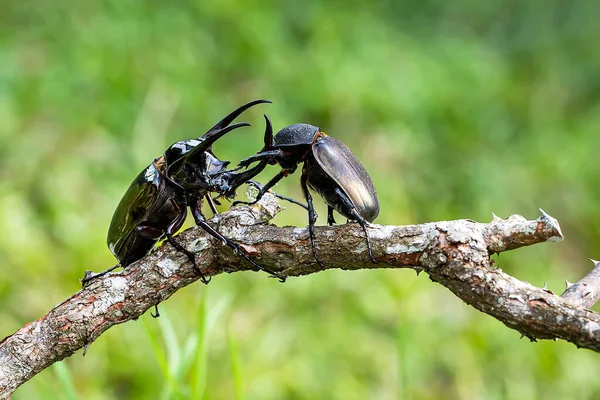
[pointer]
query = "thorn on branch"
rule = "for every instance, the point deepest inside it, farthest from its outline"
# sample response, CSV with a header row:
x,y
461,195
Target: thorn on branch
x,y
567,284
552,224
586,292
531,338
85,348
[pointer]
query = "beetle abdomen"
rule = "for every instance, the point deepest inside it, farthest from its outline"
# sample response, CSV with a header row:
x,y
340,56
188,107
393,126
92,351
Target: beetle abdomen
x,y
341,165
145,205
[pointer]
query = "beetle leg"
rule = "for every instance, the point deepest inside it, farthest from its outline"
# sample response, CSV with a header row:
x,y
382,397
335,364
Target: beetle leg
x,y
211,203
144,231
169,233
312,217
282,174
201,222
361,221
330,219
90,276
189,255
269,155
260,187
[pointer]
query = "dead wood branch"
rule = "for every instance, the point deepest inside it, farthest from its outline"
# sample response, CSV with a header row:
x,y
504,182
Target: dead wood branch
x,y
455,254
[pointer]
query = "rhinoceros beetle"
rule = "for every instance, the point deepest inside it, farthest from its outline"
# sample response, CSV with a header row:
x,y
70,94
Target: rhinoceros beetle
x,y
330,169
155,205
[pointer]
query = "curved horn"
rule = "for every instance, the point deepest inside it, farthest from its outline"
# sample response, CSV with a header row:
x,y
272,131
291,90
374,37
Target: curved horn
x,y
205,144
268,134
233,115
236,179
211,137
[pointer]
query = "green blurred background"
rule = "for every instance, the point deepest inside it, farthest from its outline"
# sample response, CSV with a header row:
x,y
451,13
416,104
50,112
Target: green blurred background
x,y
457,109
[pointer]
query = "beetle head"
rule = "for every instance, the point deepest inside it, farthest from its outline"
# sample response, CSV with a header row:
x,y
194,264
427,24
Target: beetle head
x,y
293,141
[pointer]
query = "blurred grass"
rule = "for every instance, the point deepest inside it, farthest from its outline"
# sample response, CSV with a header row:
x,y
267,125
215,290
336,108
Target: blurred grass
x,y
66,380
456,109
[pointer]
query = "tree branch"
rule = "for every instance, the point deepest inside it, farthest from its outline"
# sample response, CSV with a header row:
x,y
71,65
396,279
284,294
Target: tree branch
x,y
586,292
455,254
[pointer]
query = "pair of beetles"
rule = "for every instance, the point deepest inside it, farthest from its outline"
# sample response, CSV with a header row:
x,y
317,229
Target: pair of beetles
x,y
155,205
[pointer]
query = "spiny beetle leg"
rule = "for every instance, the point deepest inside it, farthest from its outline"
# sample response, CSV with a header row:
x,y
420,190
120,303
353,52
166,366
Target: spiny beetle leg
x,y
190,256
361,221
260,187
363,224
201,222
212,203
237,249
289,199
330,219
264,189
312,218
267,154
90,276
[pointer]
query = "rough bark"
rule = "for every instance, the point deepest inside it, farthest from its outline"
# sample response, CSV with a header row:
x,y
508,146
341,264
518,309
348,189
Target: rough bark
x,y
586,292
455,254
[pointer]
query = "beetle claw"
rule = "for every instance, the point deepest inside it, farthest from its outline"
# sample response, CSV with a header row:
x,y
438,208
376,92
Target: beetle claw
x,y
203,278
277,276
156,314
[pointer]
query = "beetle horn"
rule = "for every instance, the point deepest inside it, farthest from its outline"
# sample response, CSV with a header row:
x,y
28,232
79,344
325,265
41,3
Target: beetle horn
x,y
205,144
236,179
233,115
269,143
211,137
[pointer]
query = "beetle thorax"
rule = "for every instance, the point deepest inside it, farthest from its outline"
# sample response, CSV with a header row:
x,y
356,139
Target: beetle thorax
x,y
200,173
295,135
